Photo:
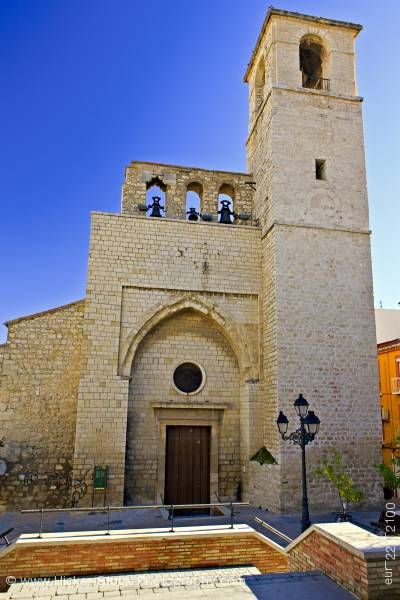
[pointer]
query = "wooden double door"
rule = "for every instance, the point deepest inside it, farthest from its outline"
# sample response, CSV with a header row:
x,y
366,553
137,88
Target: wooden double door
x,y
187,465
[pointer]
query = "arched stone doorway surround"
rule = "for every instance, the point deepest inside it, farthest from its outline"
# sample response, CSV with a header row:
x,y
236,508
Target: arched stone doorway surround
x,y
227,417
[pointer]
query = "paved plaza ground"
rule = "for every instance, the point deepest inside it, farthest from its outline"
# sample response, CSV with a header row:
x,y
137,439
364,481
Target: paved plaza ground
x,y
235,583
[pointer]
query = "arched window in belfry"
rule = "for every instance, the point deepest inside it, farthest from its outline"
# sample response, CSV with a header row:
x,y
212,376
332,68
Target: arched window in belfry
x,y
312,63
155,189
194,197
226,197
259,84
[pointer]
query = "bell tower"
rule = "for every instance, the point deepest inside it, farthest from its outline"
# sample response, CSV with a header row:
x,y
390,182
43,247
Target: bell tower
x,y
305,150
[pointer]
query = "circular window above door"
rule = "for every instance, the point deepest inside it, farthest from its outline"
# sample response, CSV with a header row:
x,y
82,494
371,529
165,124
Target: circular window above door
x,y
189,378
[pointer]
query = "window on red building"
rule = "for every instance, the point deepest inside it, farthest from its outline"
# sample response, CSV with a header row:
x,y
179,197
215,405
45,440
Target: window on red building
x,y
397,359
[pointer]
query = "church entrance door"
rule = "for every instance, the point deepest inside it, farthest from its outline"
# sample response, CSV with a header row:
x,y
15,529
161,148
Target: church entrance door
x,y
187,465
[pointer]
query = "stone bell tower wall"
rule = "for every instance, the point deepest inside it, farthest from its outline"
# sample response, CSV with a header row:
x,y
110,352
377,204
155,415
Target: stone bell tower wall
x,y
318,324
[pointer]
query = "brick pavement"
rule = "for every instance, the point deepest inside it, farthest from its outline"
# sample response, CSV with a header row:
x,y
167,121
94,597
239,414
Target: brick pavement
x,y
204,583
235,583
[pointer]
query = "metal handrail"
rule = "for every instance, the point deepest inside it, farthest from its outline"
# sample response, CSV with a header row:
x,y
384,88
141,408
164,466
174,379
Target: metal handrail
x,y
4,535
170,507
273,530
316,83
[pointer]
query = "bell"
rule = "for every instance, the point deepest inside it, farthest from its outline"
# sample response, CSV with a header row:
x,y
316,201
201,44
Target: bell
x,y
225,213
193,214
156,207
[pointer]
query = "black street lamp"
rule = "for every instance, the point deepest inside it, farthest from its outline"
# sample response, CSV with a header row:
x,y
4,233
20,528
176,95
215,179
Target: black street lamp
x,y
309,426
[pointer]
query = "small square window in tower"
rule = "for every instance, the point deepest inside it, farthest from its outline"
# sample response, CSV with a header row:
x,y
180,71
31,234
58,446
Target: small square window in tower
x,y
320,168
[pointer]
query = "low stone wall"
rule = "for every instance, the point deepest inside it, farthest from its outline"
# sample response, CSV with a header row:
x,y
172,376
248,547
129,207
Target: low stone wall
x,y
318,552
357,560
146,550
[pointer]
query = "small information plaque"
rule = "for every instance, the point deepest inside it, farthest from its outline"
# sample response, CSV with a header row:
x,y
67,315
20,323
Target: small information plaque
x,y
100,478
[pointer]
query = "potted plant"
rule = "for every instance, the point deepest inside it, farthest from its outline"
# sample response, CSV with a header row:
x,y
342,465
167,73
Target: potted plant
x,y
334,471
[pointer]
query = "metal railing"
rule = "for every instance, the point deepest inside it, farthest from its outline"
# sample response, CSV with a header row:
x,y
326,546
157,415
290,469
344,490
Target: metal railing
x,y
316,83
395,384
3,536
171,508
283,536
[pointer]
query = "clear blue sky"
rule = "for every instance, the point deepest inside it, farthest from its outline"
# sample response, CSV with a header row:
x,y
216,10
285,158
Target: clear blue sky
x,y
88,85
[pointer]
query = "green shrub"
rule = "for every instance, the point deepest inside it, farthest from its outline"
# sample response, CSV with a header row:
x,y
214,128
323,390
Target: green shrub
x,y
334,471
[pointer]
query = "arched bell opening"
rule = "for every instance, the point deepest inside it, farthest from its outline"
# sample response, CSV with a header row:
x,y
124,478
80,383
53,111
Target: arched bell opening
x,y
194,197
156,198
226,196
312,57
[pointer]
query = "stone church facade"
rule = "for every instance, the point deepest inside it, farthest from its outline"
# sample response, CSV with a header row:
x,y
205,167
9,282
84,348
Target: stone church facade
x,y
249,313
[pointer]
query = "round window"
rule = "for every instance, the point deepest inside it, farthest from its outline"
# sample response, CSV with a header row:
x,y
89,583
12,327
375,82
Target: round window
x,y
188,378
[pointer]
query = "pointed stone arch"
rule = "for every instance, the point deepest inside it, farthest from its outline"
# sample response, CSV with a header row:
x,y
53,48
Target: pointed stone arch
x,y
248,364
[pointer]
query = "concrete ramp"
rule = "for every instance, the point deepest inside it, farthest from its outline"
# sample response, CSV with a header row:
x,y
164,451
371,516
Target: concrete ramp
x,y
295,586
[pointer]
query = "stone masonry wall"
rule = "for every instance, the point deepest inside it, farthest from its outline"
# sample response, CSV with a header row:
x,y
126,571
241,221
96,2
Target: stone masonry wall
x,y
327,350
39,378
134,263
265,480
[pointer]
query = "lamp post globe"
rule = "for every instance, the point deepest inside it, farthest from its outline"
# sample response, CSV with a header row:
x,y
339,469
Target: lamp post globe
x,y
301,406
283,423
312,423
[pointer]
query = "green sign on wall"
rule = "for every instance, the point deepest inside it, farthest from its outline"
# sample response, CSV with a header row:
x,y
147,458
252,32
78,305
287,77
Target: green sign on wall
x,y
100,478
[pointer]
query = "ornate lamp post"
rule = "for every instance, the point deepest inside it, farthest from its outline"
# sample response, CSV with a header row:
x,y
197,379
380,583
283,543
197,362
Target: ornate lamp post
x,y
309,426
